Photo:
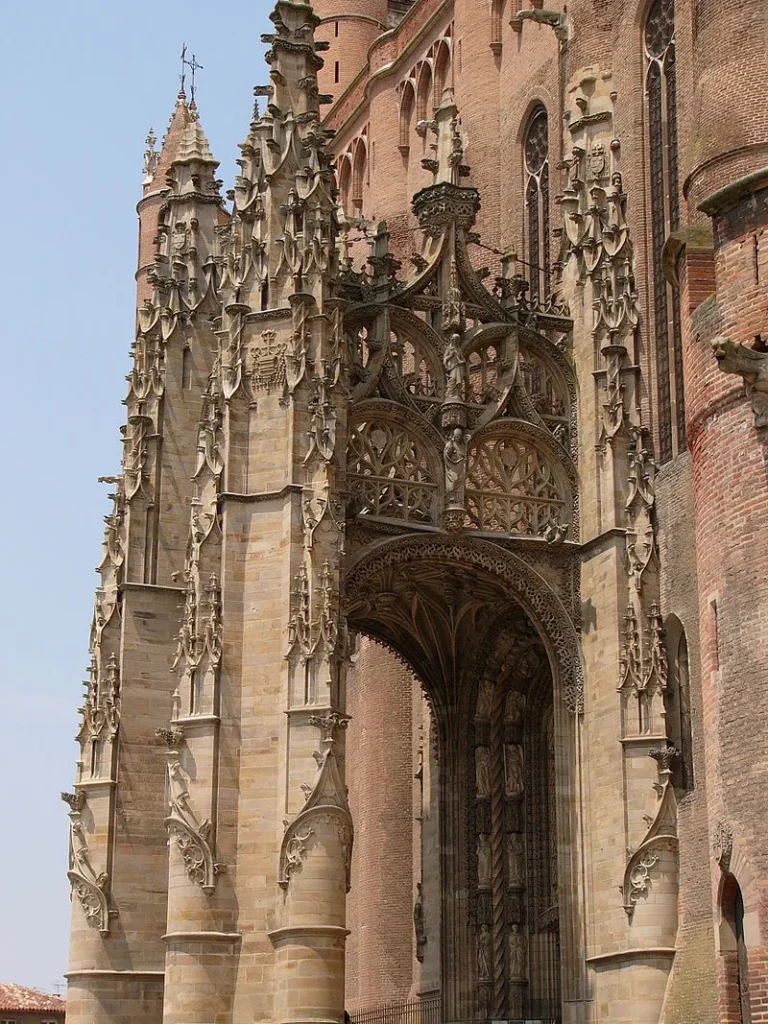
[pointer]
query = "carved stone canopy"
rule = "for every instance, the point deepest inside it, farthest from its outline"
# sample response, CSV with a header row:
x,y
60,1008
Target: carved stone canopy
x,y
438,603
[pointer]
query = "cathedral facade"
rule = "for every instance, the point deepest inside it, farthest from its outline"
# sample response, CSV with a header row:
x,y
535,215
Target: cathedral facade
x,y
427,672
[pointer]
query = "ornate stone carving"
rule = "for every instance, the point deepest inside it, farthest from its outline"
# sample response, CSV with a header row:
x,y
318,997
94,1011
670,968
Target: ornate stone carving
x,y
194,838
326,804
89,885
722,845
518,954
752,366
661,835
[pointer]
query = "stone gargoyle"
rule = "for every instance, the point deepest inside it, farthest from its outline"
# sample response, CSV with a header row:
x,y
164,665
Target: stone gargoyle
x,y
752,365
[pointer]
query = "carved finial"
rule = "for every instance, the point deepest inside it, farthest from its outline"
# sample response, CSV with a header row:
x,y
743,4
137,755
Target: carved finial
x,y
666,757
329,725
172,737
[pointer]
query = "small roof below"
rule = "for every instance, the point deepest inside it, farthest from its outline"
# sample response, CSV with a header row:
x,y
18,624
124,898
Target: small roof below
x,y
29,1000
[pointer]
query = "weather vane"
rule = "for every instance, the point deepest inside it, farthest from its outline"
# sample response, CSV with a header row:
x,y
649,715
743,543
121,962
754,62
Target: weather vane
x,y
193,67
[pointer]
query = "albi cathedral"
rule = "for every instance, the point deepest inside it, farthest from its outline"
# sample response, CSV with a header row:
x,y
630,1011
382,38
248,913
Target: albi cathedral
x,y
428,663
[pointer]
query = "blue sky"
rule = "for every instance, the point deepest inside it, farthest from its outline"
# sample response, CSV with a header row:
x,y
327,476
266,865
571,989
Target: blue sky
x,y
80,85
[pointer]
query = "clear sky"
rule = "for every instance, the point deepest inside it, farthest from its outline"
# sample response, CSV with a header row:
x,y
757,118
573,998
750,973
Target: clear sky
x,y
81,83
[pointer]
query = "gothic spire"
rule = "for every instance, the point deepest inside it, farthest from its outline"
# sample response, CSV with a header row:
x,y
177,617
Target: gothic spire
x,y
171,142
283,239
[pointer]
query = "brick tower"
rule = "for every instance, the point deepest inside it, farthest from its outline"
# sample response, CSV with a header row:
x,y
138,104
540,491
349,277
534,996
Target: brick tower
x,y
427,665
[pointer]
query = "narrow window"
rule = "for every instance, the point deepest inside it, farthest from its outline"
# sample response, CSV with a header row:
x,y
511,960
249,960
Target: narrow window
x,y
661,98
336,29
537,201
683,673
336,73
186,369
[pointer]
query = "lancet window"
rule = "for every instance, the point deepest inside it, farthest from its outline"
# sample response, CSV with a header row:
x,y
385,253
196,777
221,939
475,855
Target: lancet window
x,y
536,150
679,710
661,97
390,474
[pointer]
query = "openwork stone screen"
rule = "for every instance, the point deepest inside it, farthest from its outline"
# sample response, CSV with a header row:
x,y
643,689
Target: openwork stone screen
x,y
390,474
512,488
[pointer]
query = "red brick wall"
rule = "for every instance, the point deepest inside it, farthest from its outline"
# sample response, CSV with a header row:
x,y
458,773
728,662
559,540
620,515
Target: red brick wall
x,y
730,461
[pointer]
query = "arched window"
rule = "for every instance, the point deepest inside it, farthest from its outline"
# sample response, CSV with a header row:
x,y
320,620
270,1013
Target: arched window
x,y
359,170
424,93
537,201
442,70
407,107
661,89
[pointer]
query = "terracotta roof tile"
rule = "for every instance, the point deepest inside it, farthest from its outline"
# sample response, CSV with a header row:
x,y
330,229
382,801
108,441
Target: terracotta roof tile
x,y
17,997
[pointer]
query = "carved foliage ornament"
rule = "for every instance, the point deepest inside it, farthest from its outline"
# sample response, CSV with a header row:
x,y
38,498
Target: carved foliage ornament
x,y
661,836
193,838
325,805
89,885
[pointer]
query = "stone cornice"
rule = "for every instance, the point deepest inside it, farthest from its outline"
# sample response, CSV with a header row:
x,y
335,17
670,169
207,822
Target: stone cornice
x,y
726,197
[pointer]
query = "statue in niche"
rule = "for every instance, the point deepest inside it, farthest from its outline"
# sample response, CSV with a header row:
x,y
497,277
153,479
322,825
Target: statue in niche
x,y
518,950
515,706
515,859
484,954
418,924
484,859
455,459
513,769
455,366
483,771
484,698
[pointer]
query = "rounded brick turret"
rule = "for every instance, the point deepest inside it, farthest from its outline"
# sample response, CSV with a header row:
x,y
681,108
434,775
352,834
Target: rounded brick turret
x,y
350,27
731,140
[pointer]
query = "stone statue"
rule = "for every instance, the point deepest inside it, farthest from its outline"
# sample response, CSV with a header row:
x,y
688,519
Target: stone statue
x,y
484,698
518,950
513,769
515,706
484,954
483,859
515,859
455,458
455,366
483,771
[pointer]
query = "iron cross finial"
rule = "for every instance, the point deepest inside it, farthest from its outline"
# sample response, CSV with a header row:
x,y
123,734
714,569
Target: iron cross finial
x,y
193,66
